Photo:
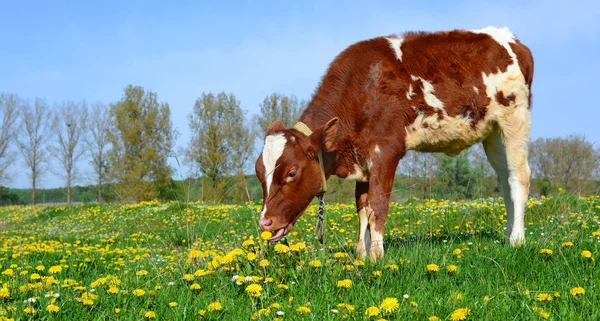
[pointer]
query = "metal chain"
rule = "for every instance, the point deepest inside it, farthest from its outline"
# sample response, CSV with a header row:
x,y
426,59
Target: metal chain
x,y
319,229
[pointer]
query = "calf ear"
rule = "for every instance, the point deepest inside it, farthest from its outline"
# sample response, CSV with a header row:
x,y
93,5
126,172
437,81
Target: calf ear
x,y
275,127
330,134
323,138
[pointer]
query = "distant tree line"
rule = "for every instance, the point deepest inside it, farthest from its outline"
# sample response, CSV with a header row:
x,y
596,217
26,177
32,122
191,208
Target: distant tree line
x,y
128,143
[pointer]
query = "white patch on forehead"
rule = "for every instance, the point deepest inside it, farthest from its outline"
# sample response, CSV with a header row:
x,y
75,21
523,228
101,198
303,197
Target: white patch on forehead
x,y
476,89
273,149
430,98
395,43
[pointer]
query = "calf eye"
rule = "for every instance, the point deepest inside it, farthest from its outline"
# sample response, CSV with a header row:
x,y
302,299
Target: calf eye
x,y
293,173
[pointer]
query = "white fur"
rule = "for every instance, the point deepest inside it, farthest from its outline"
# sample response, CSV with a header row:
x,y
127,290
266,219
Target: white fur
x,y
364,234
395,43
358,175
274,145
476,89
377,150
430,98
410,92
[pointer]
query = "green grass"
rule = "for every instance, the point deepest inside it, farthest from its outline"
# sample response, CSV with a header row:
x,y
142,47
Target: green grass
x,y
97,246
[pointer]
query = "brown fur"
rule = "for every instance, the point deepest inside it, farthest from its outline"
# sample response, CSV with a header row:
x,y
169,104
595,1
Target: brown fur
x,y
369,90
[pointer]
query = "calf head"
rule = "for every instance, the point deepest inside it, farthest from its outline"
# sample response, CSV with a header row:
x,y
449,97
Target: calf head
x,y
289,171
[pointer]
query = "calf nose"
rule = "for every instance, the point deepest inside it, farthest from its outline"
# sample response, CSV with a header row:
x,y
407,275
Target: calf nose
x,y
264,223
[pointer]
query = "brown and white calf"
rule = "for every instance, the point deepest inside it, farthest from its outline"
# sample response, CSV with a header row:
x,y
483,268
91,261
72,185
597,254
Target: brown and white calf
x,y
430,92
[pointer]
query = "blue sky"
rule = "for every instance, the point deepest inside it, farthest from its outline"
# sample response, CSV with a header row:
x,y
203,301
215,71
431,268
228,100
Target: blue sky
x,y
86,50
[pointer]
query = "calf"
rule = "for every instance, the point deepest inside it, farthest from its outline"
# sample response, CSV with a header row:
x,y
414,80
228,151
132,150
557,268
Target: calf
x,y
430,92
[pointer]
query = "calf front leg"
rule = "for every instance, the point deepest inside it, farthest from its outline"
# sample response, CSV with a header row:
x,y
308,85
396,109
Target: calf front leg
x,y
364,233
381,179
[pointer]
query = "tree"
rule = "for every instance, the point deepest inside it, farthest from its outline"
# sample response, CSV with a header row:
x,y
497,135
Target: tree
x,y
455,177
8,118
97,144
420,168
142,137
568,162
221,141
69,127
278,107
32,140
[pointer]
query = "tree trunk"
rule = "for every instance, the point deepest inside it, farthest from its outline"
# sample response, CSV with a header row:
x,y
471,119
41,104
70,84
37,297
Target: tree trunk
x,y
33,188
69,188
99,191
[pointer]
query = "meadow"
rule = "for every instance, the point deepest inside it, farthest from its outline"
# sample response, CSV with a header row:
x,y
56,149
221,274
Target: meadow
x,y
444,260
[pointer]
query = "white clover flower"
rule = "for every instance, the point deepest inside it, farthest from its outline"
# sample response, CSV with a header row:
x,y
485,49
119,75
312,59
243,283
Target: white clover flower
x,y
280,313
405,296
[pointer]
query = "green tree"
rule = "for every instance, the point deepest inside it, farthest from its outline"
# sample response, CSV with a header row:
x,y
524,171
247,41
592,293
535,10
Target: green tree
x,y
142,138
455,177
278,107
220,146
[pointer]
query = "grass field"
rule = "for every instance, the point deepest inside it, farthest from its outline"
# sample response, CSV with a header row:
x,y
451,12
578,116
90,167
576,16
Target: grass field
x,y
174,261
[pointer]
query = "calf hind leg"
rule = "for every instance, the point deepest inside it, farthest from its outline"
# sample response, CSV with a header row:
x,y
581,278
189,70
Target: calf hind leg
x,y
508,156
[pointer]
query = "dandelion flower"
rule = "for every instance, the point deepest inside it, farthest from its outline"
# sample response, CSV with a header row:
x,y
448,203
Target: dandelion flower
x,y
547,252
254,289
544,297
172,304
340,255
87,302
460,314
117,310
141,273
345,306
248,243
298,247
263,263
52,308
377,273
29,310
433,318
456,252
451,268
587,254
281,248
346,283
315,263
150,315
372,311
389,305
303,309
55,269
188,277
432,267
138,292
266,235
113,289
251,256
215,306
195,286
577,291
567,244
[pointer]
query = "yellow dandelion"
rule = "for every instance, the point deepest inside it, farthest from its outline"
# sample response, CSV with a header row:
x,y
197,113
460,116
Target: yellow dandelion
x,y
55,269
546,251
29,310
544,297
372,311
254,289
87,302
117,310
248,243
577,291
432,267
315,263
346,283
188,277
251,256
195,286
113,289
138,292
587,254
456,252
596,234
377,273
303,309
451,268
266,235
340,255
35,276
202,312
567,244
281,248
52,308
460,314
263,263
389,305
215,306
141,273
172,304
433,318
298,247
345,306
150,315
